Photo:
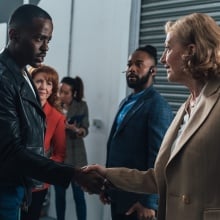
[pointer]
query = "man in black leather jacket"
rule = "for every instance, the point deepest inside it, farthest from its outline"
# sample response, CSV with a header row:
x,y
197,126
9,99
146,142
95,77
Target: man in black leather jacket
x,y
22,122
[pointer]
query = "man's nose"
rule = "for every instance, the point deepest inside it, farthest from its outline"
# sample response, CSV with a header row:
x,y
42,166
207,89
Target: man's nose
x,y
131,69
45,46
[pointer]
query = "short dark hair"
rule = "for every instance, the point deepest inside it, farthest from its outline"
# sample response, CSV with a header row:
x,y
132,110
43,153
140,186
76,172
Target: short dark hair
x,y
152,51
24,15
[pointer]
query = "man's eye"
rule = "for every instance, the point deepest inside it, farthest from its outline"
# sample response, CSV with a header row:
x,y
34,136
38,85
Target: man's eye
x,y
138,64
39,39
42,38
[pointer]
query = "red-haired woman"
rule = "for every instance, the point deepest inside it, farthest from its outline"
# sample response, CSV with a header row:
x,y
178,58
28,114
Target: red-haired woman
x,y
46,81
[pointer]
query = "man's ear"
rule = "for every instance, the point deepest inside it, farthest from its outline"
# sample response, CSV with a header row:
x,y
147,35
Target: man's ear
x,y
13,34
153,71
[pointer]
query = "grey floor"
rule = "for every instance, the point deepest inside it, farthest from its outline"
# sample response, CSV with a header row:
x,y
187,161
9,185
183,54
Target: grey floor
x,y
47,218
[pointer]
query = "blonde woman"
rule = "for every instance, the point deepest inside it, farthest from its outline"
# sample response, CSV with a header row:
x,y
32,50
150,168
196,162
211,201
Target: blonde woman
x,y
186,171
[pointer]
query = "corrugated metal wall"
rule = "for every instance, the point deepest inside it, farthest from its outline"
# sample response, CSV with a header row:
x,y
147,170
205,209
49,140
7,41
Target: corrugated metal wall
x,y
154,14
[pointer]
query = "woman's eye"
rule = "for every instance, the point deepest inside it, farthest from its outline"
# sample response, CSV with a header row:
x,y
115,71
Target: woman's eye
x,y
49,83
38,81
167,48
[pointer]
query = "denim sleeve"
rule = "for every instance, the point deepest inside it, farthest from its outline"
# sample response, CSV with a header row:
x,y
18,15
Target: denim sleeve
x,y
150,201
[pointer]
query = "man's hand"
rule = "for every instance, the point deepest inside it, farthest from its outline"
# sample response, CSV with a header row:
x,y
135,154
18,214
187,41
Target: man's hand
x,y
101,170
142,212
91,181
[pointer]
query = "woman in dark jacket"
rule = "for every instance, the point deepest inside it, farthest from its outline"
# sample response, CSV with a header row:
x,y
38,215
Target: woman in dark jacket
x,y
76,110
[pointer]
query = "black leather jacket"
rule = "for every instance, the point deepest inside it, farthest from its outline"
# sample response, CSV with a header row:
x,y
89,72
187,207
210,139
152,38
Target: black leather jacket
x,y
22,132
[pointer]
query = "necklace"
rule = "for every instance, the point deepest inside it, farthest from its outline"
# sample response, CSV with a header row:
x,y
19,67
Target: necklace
x,y
193,102
191,106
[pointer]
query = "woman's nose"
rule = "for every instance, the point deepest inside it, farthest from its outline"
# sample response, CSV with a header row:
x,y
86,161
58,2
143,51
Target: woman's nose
x,y
43,85
61,95
162,58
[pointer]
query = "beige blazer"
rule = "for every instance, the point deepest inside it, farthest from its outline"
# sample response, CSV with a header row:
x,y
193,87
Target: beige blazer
x,y
188,180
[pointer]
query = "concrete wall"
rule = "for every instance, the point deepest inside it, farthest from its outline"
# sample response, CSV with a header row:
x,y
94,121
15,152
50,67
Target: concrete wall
x,y
97,51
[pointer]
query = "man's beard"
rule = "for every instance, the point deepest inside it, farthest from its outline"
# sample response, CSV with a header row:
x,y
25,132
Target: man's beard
x,y
139,83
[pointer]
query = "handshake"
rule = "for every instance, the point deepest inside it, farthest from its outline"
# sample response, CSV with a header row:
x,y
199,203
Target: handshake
x,y
92,179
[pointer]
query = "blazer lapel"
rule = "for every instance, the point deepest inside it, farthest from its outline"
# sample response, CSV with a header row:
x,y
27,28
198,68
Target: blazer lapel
x,y
205,105
129,115
137,105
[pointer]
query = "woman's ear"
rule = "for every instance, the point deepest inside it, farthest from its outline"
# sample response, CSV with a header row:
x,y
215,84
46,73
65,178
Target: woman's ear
x,y
191,49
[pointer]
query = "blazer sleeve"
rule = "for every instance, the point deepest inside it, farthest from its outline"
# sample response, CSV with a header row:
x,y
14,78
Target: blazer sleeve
x,y
85,121
133,180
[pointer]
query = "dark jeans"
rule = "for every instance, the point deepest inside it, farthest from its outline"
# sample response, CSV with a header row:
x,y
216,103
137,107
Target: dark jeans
x,y
79,198
34,210
10,202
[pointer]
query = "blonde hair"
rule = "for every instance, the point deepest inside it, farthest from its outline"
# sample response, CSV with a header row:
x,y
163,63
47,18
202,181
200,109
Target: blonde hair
x,y
201,30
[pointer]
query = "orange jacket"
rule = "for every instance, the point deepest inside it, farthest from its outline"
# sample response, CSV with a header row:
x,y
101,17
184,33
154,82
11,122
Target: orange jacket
x,y
55,137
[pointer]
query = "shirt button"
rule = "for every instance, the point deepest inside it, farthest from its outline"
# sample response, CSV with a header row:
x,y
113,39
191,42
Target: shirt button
x,y
185,199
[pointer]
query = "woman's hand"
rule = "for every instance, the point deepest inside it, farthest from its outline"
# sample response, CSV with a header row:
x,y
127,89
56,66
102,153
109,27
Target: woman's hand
x,y
95,167
80,132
